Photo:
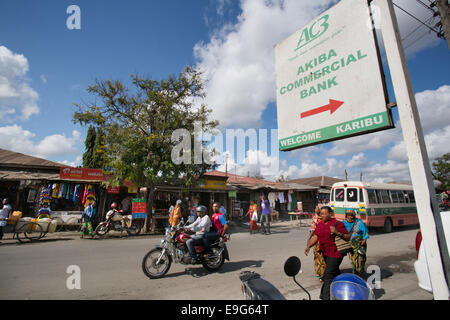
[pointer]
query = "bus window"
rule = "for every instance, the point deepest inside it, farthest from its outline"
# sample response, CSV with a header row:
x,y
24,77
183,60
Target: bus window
x,y
401,197
361,195
411,197
379,197
405,194
372,196
385,196
339,195
394,196
352,194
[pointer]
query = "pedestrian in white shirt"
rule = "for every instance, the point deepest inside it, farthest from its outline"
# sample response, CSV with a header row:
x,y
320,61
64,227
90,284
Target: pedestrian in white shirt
x,y
200,227
4,215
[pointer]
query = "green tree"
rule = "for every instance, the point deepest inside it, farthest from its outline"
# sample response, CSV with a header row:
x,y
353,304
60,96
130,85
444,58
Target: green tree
x,y
441,171
138,126
89,143
98,157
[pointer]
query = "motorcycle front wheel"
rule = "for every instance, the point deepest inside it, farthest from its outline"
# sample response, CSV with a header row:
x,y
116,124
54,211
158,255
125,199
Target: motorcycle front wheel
x,y
214,262
101,229
153,270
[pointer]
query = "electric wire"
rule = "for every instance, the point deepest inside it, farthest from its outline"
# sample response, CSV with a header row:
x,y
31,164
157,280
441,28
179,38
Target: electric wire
x,y
416,18
425,5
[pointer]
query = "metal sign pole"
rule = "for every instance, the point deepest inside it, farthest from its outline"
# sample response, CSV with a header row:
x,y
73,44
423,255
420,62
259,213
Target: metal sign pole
x,y
419,165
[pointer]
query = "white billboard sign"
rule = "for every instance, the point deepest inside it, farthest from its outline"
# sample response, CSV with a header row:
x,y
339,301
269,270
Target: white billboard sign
x,y
329,79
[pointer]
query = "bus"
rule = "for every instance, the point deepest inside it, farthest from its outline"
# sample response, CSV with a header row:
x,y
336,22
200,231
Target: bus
x,y
385,205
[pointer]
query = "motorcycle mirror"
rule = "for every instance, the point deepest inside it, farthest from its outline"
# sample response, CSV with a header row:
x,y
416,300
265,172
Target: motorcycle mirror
x,y
292,266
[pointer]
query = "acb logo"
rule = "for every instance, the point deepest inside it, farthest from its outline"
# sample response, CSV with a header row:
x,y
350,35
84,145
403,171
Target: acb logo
x,y
309,34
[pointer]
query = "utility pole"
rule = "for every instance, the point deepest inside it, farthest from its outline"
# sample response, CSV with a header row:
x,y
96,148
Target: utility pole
x,y
444,11
436,250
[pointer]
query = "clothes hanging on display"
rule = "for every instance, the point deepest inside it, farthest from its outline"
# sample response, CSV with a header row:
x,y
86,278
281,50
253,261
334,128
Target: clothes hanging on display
x,y
281,197
271,197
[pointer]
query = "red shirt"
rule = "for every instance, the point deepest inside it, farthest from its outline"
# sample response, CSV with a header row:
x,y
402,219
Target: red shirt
x,y
326,239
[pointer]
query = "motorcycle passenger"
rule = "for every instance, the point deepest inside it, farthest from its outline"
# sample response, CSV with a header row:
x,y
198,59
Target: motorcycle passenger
x,y
200,227
113,211
125,212
218,229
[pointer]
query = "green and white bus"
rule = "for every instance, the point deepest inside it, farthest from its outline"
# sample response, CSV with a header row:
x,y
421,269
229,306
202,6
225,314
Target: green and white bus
x,y
384,205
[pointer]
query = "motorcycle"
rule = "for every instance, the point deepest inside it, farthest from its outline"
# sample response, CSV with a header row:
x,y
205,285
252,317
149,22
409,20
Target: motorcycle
x,y
114,222
346,286
157,262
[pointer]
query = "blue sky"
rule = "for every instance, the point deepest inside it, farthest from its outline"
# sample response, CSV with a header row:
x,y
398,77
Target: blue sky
x,y
45,68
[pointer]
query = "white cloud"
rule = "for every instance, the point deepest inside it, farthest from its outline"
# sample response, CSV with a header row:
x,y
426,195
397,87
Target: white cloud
x,y
43,79
377,141
433,106
16,95
358,161
15,138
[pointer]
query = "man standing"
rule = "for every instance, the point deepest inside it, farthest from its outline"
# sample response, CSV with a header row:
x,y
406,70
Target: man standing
x,y
223,211
175,214
4,215
265,215
87,218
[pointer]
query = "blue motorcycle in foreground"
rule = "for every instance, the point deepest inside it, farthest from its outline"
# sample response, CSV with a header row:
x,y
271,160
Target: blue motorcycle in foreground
x,y
346,286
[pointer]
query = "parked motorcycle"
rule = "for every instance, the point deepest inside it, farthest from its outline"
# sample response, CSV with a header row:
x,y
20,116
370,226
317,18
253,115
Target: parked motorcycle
x,y
114,222
346,286
173,248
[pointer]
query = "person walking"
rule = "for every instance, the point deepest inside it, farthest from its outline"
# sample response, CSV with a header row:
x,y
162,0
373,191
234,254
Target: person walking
x,y
87,218
325,233
265,210
175,214
319,261
253,213
4,215
359,241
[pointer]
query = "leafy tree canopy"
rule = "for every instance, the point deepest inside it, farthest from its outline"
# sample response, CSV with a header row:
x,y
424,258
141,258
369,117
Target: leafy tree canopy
x,y
137,125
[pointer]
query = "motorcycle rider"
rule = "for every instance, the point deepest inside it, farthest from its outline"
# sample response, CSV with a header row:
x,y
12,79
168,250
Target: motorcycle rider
x,y
200,227
218,228
112,211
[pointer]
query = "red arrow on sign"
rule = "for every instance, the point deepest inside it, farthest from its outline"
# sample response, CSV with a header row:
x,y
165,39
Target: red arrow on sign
x,y
332,106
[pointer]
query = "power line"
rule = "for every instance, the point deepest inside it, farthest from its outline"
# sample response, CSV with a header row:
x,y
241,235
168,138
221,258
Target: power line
x,y
420,25
416,18
416,40
425,5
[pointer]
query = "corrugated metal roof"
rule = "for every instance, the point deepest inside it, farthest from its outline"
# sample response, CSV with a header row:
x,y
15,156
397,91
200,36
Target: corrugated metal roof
x,y
320,181
11,159
255,183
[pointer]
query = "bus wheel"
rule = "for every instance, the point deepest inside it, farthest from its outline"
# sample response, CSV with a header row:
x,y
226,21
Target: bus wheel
x,y
387,225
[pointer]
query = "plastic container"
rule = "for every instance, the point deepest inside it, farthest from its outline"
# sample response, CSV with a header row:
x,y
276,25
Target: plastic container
x,y
44,223
52,226
21,222
14,217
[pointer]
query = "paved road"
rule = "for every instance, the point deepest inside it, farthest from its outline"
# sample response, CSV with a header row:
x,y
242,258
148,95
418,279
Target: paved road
x,y
111,268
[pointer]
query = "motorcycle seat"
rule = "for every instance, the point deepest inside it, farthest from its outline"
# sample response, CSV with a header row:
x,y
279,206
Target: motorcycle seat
x,y
117,217
260,288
